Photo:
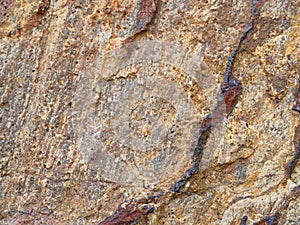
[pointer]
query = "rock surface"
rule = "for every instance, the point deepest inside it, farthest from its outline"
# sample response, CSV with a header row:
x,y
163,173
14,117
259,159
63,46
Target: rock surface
x,y
149,112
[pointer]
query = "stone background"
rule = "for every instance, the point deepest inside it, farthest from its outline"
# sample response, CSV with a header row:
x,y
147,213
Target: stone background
x,y
102,103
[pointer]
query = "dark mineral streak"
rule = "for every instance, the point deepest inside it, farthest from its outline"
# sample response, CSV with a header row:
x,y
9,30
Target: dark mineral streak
x,y
127,215
244,220
230,90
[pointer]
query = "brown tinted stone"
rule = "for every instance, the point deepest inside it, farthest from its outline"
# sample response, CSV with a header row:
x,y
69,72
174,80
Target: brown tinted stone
x,y
149,112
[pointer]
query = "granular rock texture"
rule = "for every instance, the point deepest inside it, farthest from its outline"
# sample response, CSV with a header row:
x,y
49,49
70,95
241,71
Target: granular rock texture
x,y
138,114
149,112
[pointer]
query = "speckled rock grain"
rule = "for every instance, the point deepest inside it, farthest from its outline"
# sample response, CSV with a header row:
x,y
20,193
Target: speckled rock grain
x,y
102,103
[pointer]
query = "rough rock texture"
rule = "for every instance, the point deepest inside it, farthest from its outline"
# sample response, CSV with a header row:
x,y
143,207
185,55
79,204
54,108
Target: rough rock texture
x,y
149,112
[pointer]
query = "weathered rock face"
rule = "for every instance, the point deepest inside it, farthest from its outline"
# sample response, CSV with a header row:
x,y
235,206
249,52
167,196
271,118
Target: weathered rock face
x,y
149,112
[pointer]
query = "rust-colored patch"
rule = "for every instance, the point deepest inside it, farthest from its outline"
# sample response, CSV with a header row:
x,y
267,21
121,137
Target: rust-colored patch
x,y
146,11
38,14
43,7
263,28
226,12
230,91
228,98
128,215
231,97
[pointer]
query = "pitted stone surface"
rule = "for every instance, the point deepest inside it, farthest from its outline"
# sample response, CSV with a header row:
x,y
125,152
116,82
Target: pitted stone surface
x,y
139,117
64,154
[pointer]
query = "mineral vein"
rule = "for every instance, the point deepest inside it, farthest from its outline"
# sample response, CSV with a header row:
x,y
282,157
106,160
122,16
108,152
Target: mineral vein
x,y
230,91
